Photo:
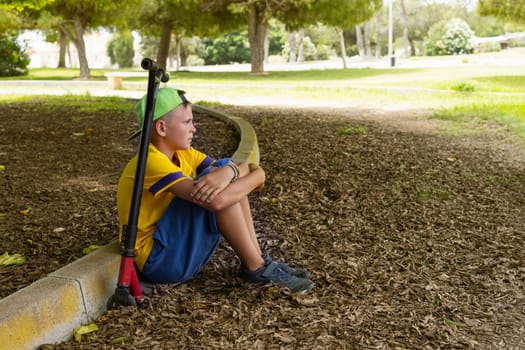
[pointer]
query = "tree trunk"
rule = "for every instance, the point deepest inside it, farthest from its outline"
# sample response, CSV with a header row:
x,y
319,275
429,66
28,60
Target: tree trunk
x,y
343,48
81,49
164,45
359,40
300,47
266,47
378,34
69,56
412,48
291,44
404,23
178,44
368,48
184,54
62,42
257,27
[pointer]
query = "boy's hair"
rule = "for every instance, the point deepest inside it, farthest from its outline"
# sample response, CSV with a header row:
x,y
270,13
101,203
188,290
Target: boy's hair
x,y
167,100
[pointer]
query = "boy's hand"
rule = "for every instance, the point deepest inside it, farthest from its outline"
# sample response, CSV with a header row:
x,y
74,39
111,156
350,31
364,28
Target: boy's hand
x,y
210,185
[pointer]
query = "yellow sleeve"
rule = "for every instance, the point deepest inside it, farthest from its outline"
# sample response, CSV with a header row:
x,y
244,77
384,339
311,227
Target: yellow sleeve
x,y
161,172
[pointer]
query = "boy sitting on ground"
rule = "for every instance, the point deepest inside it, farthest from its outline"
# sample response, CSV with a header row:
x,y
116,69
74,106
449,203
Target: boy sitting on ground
x,y
189,200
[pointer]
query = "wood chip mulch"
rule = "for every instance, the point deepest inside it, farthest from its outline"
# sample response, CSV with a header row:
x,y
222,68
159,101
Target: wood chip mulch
x,y
414,241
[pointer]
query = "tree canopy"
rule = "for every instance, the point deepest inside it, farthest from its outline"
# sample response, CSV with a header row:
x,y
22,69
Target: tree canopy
x,y
23,4
164,18
336,13
508,9
294,14
257,15
8,20
73,18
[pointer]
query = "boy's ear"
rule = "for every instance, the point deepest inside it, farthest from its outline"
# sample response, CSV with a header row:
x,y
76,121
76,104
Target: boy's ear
x,y
160,127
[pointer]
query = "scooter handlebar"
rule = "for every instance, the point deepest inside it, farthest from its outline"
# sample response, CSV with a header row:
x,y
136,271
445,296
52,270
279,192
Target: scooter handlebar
x,y
164,76
148,64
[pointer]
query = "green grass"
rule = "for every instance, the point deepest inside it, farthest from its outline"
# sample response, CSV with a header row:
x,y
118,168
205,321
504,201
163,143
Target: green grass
x,y
83,103
353,130
56,74
509,113
466,95
495,79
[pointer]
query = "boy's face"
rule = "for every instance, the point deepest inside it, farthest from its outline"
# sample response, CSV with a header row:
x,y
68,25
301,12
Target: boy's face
x,y
178,129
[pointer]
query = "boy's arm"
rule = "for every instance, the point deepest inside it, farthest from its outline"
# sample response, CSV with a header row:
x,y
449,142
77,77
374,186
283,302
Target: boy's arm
x,y
251,177
214,181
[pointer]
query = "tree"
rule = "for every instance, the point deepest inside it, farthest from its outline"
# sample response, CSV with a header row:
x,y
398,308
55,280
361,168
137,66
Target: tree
x,y
180,18
56,36
257,15
120,49
343,14
77,17
508,9
9,21
30,11
294,14
378,33
359,41
423,15
296,46
74,18
19,5
404,21
276,37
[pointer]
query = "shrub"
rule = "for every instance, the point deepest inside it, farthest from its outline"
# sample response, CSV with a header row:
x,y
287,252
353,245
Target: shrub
x,y
13,58
230,48
464,87
458,37
488,47
517,42
434,41
276,37
452,37
309,50
323,52
120,49
194,60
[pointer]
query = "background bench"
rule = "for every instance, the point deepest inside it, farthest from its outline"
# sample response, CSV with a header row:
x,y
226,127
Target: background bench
x,y
115,78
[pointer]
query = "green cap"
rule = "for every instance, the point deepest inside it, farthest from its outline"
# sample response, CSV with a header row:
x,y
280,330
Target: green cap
x,y
167,100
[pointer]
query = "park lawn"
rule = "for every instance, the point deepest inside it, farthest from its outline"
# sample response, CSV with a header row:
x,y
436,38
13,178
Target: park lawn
x,y
509,113
483,79
460,94
56,74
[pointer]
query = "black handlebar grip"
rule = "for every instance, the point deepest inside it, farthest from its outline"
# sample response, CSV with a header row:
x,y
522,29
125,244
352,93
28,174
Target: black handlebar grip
x,y
148,64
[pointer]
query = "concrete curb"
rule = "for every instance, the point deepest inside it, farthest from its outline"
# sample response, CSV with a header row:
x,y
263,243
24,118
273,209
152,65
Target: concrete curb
x,y
248,150
50,309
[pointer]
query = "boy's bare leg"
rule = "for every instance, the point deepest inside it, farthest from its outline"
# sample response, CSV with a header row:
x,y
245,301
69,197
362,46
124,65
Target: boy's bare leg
x,y
248,217
236,230
246,210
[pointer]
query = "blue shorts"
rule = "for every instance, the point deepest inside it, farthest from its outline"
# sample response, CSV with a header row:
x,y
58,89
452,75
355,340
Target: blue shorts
x,y
183,242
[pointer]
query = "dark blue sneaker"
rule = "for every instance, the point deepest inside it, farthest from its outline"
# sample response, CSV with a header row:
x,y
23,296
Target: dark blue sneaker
x,y
272,273
298,272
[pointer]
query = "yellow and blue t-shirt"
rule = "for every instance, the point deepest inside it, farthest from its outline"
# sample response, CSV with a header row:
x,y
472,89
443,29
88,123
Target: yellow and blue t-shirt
x,y
161,173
